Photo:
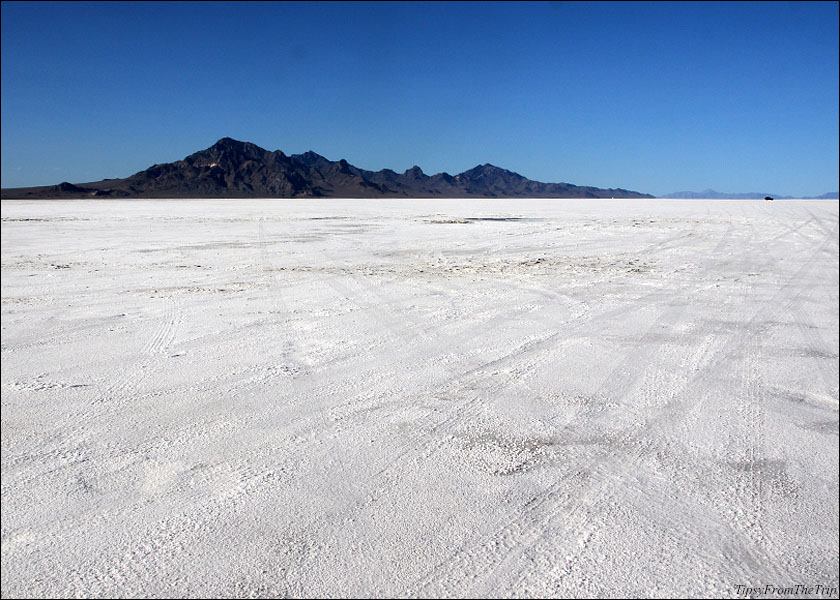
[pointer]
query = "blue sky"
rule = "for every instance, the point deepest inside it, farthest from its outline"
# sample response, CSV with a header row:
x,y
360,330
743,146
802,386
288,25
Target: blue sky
x,y
655,97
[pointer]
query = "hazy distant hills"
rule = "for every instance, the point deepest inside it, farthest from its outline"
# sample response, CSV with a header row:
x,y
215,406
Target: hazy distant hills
x,y
234,169
713,195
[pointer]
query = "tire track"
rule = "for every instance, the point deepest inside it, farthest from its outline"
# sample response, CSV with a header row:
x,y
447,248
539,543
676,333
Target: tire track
x,y
577,509
164,335
506,542
77,431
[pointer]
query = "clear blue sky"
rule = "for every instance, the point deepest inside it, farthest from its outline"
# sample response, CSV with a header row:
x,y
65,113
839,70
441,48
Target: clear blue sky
x,y
655,97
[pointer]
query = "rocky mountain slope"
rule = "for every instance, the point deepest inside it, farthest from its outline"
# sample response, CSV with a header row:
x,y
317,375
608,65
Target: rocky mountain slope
x,y
234,169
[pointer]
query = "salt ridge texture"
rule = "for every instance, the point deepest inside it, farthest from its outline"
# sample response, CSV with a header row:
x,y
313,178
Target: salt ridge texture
x,y
418,398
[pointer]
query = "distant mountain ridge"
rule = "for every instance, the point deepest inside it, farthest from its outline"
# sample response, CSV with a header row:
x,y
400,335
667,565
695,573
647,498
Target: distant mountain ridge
x,y
713,195
234,169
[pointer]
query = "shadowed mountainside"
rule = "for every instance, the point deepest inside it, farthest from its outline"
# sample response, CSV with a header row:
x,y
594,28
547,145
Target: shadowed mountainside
x,y
234,169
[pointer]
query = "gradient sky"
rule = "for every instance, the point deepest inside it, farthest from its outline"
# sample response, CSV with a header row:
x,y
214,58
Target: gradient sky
x,y
655,97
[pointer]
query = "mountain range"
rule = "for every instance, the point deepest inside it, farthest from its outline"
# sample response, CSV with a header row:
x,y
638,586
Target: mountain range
x,y
713,195
234,169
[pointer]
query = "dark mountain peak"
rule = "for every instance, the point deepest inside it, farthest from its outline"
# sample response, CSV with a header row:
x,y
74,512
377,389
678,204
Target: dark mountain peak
x,y
228,151
488,171
227,143
446,177
311,159
415,172
476,170
345,168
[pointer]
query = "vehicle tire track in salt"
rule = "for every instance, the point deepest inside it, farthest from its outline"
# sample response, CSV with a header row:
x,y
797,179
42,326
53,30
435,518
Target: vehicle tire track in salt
x,y
165,332
507,541
457,414
751,425
575,509
574,514
468,554
752,417
140,368
296,387
402,327
830,234
78,431
432,427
